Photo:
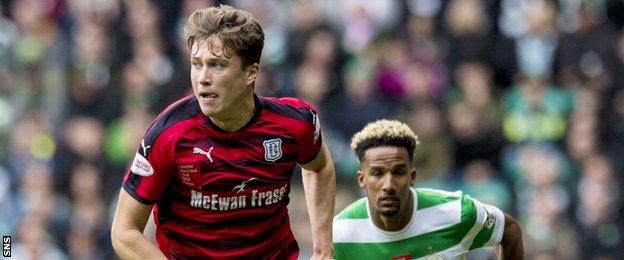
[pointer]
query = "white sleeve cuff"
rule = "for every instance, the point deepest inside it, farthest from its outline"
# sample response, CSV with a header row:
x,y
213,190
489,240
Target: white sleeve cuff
x,y
499,225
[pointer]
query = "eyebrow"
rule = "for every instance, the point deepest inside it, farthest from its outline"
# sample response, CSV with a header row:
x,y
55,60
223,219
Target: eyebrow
x,y
222,59
383,166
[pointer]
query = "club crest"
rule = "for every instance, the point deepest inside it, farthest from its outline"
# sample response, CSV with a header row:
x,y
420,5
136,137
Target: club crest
x,y
272,149
435,257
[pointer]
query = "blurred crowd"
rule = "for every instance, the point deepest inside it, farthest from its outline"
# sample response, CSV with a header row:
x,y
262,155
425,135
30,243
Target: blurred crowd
x,y
519,103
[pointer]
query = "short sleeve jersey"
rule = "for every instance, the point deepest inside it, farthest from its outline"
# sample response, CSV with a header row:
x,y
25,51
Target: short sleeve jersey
x,y
221,194
444,225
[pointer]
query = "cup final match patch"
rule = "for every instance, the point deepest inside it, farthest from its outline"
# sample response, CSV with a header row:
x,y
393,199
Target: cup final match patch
x,y
141,166
189,173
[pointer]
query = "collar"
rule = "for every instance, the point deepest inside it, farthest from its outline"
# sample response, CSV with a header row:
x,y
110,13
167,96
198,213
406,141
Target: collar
x,y
254,117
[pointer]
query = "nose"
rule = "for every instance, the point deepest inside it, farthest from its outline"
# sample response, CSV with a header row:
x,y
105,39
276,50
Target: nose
x,y
388,184
205,77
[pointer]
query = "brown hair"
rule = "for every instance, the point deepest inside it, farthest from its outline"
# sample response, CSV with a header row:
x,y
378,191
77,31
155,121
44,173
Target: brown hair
x,y
238,29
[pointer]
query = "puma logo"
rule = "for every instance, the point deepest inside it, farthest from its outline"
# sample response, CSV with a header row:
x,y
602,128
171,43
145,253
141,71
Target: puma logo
x,y
145,147
241,187
200,151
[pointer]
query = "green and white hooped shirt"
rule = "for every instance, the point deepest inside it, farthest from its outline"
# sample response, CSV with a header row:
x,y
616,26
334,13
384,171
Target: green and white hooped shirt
x,y
445,225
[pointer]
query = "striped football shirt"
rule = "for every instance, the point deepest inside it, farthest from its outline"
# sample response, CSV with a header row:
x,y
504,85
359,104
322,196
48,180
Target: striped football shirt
x,y
220,194
445,225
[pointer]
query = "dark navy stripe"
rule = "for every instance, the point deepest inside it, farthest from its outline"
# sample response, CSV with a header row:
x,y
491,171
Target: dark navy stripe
x,y
241,165
286,158
131,189
182,109
201,226
302,113
164,205
246,142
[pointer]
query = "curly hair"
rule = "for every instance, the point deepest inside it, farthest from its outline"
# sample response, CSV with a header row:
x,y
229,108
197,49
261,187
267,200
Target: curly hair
x,y
384,133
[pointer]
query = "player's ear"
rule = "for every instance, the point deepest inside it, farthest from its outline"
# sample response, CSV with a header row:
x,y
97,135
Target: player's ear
x,y
252,75
360,179
413,176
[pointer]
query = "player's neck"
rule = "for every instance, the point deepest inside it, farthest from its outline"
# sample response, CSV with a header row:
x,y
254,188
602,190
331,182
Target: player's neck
x,y
397,222
237,119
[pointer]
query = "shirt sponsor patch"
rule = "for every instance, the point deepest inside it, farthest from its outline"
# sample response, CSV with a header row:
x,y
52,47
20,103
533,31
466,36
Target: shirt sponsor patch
x,y
141,166
402,257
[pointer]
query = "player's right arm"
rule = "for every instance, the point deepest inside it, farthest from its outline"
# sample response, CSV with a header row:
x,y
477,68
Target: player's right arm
x,y
143,184
497,229
127,230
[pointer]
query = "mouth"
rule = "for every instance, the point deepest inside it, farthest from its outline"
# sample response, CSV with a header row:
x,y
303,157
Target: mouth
x,y
207,96
388,201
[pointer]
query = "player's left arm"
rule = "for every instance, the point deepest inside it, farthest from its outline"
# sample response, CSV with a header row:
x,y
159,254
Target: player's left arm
x,y
511,246
319,184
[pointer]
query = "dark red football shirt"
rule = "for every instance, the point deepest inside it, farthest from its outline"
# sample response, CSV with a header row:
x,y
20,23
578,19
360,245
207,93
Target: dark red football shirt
x,y
224,194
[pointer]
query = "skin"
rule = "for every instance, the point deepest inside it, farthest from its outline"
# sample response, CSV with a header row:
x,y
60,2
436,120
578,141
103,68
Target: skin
x,y
319,185
222,85
127,230
224,88
387,174
511,247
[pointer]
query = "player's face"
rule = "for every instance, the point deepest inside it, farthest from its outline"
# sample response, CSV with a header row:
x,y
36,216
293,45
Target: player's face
x,y
387,174
221,84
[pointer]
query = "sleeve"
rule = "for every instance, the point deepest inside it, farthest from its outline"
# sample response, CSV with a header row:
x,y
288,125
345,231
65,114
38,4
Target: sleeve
x,y
151,170
310,138
337,252
491,223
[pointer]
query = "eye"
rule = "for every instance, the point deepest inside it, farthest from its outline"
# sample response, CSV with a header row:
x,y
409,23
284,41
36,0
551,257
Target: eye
x,y
376,173
399,171
196,64
217,65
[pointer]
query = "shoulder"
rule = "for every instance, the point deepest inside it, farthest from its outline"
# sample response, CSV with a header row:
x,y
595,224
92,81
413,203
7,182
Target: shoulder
x,y
454,210
455,201
178,111
355,210
290,107
432,197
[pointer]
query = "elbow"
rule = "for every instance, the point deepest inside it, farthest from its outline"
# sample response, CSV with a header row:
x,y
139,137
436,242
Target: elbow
x,y
116,238
325,171
121,238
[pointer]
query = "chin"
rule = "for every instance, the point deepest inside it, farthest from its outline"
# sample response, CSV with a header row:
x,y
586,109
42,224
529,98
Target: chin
x,y
208,112
389,213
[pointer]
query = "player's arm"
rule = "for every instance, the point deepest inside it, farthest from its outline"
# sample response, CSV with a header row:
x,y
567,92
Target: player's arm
x,y
127,230
319,184
511,246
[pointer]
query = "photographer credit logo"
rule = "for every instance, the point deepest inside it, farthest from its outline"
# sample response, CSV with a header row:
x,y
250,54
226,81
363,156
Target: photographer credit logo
x,y
6,246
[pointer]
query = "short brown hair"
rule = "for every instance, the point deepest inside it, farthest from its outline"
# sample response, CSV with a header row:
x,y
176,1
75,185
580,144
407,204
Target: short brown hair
x,y
238,29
